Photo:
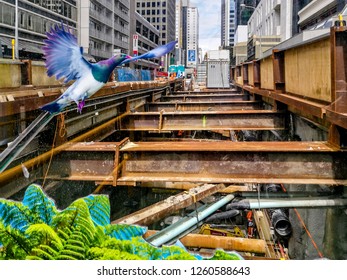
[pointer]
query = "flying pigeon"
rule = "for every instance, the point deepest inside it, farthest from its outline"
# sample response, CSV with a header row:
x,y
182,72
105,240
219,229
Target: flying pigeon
x,y
64,60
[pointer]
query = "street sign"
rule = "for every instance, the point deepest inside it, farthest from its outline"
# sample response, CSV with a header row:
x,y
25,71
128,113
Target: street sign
x,y
135,45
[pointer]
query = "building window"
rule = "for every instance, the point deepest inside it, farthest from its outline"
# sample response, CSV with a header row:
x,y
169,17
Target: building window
x,y
22,19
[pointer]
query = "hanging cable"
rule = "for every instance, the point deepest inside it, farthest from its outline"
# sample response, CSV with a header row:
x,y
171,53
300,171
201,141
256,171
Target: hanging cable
x,y
52,152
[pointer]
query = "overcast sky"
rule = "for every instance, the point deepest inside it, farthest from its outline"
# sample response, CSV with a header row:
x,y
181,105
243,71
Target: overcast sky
x,y
209,23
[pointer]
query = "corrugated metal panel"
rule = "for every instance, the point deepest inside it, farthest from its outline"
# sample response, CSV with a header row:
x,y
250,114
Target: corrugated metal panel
x,y
201,73
218,74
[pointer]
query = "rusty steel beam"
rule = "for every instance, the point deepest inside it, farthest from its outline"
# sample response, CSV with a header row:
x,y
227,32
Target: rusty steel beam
x,y
224,120
200,97
204,162
206,91
231,162
203,106
239,244
162,209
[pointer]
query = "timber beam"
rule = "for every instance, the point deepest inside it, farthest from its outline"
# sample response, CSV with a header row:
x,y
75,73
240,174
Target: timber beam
x,y
128,163
203,106
162,209
223,120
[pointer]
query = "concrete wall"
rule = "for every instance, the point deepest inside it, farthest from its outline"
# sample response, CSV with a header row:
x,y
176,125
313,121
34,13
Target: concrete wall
x,y
10,73
39,75
326,225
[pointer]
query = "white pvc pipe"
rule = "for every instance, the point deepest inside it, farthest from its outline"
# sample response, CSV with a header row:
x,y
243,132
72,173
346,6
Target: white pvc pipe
x,y
296,203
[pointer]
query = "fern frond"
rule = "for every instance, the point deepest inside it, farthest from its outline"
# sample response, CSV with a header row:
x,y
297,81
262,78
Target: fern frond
x,y
41,254
38,202
72,254
16,215
99,236
64,235
45,233
67,257
15,245
75,248
76,216
124,232
99,209
76,243
110,254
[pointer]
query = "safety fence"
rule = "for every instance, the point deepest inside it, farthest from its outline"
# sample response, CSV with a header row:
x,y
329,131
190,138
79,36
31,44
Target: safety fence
x,y
127,75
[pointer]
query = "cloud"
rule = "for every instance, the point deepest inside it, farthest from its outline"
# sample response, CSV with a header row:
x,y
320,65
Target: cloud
x,y
209,23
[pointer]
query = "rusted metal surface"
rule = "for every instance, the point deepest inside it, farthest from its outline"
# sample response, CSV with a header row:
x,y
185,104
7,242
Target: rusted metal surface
x,y
314,108
162,209
239,244
201,97
224,120
203,106
204,162
337,111
230,162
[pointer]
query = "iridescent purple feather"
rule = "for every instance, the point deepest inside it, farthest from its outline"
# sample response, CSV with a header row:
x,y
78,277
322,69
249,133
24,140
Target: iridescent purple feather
x,y
63,55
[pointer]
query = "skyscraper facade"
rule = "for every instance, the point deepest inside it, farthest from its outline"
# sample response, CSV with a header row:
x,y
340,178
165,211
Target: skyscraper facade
x,y
228,23
35,18
160,14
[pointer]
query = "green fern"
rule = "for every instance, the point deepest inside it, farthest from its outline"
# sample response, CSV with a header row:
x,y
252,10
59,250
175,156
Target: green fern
x,y
39,204
14,244
99,209
36,230
44,233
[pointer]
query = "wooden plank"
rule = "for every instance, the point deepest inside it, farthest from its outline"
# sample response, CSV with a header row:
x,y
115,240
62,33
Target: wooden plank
x,y
308,71
158,211
266,73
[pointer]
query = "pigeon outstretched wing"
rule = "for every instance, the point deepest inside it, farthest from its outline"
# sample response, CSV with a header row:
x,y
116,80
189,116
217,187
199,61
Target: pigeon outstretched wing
x,y
63,55
155,53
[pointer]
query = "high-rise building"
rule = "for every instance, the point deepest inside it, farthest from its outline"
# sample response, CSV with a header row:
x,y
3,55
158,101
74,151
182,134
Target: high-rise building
x,y
228,23
35,18
103,27
143,38
160,14
192,36
188,34
179,53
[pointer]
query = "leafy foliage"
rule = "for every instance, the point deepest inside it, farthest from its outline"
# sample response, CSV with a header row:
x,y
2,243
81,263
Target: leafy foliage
x,y
34,229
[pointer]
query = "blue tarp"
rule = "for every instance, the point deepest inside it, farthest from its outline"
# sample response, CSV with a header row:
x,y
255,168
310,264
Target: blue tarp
x,y
127,75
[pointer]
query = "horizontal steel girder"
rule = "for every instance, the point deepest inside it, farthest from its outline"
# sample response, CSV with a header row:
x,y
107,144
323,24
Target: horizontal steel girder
x,y
126,163
206,97
224,120
203,106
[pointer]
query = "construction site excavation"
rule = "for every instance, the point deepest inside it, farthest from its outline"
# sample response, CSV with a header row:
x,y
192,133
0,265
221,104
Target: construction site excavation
x,y
257,166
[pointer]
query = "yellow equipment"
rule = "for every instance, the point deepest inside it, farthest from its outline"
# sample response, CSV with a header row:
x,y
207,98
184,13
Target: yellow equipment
x,y
233,232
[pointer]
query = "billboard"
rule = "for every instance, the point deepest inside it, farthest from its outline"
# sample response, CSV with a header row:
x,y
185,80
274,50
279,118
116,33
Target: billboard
x,y
191,55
